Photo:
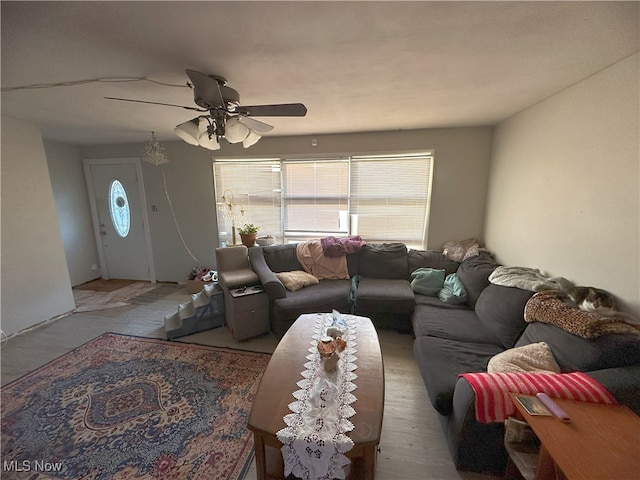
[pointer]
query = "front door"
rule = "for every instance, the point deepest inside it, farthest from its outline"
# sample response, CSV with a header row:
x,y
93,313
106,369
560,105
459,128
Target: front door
x,y
120,221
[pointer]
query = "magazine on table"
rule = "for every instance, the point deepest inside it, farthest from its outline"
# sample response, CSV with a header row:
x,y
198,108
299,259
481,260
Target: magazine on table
x,y
533,405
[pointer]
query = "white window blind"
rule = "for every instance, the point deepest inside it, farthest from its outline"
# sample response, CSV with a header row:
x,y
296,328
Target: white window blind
x,y
380,198
314,194
390,196
256,188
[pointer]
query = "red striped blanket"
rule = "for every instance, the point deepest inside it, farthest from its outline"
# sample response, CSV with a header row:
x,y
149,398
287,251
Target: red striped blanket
x,y
493,404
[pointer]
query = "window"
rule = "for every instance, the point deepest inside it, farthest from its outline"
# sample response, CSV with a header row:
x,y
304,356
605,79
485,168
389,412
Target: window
x,y
315,193
255,186
381,198
390,197
119,208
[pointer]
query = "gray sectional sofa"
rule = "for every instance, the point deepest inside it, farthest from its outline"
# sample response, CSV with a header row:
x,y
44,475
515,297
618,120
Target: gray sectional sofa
x,y
450,339
378,286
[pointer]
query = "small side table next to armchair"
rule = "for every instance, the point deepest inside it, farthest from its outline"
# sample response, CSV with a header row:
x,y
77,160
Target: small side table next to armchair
x,y
246,304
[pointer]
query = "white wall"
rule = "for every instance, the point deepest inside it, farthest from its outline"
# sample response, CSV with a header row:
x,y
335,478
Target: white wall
x,y
70,194
35,280
564,185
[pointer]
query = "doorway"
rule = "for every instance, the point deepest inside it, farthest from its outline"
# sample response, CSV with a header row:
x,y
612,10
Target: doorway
x,y
120,220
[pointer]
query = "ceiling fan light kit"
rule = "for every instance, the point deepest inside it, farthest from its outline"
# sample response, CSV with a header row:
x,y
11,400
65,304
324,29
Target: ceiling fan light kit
x,y
226,118
189,131
210,142
235,132
251,139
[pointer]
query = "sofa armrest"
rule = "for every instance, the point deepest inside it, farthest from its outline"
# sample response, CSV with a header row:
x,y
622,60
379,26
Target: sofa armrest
x,y
271,284
474,446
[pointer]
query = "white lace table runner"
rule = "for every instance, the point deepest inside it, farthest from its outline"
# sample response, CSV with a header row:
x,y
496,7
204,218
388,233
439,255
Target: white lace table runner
x,y
315,439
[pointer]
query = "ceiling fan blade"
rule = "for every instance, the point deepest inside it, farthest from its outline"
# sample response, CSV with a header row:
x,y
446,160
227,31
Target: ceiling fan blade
x,y
206,91
156,103
280,110
254,124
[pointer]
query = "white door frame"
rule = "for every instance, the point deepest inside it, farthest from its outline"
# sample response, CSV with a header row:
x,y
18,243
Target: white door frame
x,y
88,162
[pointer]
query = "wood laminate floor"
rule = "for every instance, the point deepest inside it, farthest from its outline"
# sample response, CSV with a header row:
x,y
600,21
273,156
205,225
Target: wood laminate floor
x,y
412,446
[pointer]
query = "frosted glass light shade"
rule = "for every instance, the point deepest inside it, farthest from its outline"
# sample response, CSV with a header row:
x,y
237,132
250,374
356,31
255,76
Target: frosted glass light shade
x,y
251,139
189,131
209,143
235,132
195,132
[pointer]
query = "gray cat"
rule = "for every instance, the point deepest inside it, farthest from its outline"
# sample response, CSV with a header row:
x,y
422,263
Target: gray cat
x,y
589,299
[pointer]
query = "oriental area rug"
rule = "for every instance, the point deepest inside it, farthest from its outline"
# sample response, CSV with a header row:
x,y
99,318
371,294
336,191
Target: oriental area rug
x,y
122,407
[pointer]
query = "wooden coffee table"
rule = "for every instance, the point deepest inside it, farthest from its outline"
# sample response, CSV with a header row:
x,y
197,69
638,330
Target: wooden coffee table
x,y
279,382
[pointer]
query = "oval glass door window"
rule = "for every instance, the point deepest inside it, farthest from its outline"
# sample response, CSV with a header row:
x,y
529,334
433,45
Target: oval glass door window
x,y
119,208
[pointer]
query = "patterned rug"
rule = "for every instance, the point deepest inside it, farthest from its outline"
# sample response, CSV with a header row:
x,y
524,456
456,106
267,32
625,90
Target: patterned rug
x,y
123,407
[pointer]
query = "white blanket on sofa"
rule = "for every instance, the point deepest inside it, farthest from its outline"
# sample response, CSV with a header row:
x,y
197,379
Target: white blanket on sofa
x,y
527,279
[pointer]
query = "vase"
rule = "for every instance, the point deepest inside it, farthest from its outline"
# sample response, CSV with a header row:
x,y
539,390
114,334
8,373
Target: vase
x,y
248,239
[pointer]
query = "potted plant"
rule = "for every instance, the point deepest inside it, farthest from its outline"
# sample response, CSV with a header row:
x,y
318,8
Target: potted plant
x,y
248,234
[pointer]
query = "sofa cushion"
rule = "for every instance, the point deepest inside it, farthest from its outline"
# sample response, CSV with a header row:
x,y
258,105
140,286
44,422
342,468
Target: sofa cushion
x,y
574,353
501,310
323,297
535,357
430,259
316,296
452,290
474,275
281,258
384,295
427,281
454,324
296,279
386,260
441,360
435,302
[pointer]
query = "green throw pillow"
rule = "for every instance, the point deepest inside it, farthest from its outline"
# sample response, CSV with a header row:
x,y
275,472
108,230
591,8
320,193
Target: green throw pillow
x,y
452,291
427,281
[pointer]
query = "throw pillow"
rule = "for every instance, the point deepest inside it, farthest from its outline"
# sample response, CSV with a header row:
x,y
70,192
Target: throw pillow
x,y
295,280
427,281
460,251
453,291
535,357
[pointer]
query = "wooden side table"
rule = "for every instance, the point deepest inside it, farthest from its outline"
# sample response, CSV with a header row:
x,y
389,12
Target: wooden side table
x,y
600,442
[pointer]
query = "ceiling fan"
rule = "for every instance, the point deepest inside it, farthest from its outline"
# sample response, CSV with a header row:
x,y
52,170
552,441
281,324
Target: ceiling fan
x,y
225,117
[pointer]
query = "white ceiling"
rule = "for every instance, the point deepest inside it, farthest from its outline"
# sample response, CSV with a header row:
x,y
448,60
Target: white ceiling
x,y
357,66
